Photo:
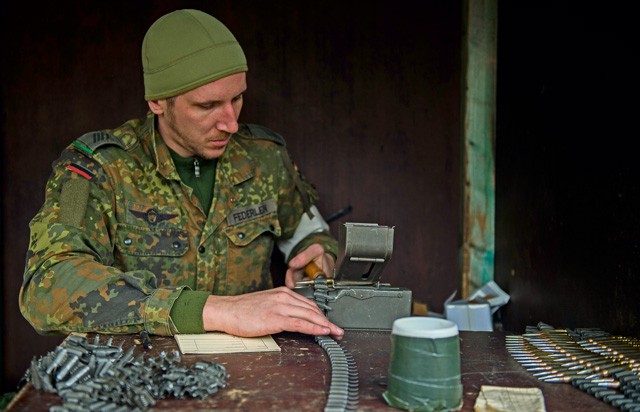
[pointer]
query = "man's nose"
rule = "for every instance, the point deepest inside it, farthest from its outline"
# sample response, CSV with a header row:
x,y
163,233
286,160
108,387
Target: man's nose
x,y
228,121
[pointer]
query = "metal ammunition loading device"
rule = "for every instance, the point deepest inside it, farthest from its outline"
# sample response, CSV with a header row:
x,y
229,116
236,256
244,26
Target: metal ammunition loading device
x,y
354,298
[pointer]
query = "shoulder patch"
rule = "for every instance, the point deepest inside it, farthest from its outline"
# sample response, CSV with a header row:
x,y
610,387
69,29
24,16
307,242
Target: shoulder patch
x,y
254,131
90,142
73,201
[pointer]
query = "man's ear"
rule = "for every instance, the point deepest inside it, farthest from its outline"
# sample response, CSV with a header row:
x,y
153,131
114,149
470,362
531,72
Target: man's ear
x,y
157,106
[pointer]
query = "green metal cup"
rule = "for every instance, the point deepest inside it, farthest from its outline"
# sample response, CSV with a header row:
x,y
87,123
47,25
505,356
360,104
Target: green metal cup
x,y
424,365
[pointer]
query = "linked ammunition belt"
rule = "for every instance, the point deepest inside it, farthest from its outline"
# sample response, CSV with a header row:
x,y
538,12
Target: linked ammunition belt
x,y
91,376
598,363
343,392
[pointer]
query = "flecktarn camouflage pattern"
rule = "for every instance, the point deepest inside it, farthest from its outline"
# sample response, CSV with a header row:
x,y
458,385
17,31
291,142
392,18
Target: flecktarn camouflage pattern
x,y
119,236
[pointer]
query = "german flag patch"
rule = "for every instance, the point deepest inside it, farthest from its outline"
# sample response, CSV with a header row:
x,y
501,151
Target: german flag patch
x,y
81,170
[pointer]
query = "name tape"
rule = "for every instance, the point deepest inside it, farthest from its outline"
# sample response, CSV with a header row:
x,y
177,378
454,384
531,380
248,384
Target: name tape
x,y
244,214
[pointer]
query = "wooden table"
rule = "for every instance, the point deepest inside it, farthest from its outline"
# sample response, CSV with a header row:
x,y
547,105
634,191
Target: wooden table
x,y
298,377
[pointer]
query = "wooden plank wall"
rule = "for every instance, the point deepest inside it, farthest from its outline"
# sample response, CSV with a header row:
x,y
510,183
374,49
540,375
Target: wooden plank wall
x,y
368,99
568,191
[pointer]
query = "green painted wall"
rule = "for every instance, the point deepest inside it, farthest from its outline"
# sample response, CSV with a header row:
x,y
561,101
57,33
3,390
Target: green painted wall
x,y
479,107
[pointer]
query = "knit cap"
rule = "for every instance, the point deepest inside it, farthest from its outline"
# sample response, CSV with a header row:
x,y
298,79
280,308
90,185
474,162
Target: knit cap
x,y
185,49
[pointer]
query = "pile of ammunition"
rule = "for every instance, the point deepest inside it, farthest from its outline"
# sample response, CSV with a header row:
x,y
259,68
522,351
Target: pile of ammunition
x,y
92,376
603,365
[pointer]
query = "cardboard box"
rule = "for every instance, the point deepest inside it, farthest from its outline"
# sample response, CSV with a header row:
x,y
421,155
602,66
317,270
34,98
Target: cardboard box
x,y
492,294
469,316
476,313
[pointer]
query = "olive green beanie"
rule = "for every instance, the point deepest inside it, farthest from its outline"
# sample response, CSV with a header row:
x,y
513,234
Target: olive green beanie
x,y
185,49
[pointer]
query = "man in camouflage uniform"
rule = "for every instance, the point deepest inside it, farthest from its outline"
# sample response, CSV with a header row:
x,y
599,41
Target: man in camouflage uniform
x,y
167,223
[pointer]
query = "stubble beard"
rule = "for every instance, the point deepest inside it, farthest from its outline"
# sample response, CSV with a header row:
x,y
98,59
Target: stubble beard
x,y
183,140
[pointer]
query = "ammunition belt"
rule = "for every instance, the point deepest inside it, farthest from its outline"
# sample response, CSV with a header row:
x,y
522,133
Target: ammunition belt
x,y
343,392
596,362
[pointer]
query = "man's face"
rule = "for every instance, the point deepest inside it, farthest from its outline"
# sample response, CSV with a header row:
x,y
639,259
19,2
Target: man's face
x,y
200,122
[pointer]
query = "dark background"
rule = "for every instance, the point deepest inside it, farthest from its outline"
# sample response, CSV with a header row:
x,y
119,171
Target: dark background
x,y
368,99
567,176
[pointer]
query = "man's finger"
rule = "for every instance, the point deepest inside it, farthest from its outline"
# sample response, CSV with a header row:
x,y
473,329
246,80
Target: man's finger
x,y
290,297
306,256
301,320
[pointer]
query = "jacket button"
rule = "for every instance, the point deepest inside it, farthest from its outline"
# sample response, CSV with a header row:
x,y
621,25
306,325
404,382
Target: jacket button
x,y
176,245
201,249
128,241
241,235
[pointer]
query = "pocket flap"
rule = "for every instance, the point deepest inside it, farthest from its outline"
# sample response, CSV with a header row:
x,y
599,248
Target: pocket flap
x,y
142,241
245,233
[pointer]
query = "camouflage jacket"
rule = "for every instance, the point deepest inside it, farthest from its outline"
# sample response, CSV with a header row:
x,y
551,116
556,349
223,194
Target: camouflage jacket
x,y
119,236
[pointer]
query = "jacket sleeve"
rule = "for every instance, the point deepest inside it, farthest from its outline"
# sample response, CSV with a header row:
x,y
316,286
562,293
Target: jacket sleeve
x,y
301,220
71,283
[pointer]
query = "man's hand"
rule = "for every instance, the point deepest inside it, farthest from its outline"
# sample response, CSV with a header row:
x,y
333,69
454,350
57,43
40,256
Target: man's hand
x,y
314,253
266,312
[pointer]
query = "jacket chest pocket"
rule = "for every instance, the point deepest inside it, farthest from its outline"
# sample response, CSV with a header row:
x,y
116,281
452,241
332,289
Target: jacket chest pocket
x,y
142,241
249,248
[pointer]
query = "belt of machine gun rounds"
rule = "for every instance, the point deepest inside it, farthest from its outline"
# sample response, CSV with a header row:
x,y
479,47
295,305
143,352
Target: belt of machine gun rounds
x,y
343,392
603,365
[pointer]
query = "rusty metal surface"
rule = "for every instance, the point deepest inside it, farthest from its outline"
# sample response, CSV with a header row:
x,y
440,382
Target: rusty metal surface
x,y
298,377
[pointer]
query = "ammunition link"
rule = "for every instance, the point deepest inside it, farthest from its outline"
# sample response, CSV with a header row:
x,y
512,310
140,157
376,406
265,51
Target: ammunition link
x,y
93,376
343,392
